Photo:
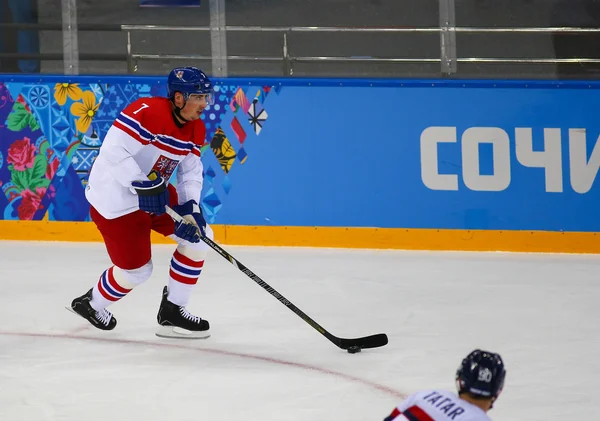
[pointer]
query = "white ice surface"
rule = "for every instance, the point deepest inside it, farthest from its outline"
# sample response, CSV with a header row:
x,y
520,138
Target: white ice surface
x,y
540,312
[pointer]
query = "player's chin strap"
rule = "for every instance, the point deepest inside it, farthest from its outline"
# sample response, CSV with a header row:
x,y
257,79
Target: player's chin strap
x,y
177,112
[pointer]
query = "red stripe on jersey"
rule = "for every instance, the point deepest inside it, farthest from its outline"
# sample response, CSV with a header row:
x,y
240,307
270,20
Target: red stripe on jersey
x,y
196,151
167,148
158,144
187,261
113,282
393,415
414,413
182,279
130,132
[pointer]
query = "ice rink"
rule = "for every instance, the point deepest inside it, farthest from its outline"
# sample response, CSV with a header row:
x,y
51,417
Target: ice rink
x,y
262,362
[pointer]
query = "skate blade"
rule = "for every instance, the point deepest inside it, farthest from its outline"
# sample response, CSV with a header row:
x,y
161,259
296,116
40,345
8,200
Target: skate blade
x,y
72,311
178,333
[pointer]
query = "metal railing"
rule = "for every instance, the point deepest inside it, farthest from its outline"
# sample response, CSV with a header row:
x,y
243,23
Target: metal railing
x,y
447,59
288,59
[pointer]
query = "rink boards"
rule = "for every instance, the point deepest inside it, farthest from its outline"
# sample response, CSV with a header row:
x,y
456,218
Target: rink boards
x,y
415,164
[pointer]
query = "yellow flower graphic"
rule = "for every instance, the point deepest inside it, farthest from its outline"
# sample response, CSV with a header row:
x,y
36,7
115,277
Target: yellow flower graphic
x,y
85,110
61,90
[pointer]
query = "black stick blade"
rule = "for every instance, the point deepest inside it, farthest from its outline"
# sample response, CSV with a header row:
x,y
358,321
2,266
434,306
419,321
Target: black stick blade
x,y
373,341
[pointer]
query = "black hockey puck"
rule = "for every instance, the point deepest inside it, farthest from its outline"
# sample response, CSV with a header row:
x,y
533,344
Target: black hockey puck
x,y
354,349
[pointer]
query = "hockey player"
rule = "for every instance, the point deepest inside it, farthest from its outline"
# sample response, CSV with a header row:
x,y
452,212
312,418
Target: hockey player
x,y
479,380
128,189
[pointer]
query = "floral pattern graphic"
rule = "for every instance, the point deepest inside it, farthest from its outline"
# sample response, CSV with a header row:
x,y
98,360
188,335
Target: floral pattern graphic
x,y
50,134
30,202
85,110
64,90
21,154
29,171
21,117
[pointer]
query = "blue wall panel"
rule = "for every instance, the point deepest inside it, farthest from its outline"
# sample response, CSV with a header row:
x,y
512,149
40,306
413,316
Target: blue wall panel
x,y
352,153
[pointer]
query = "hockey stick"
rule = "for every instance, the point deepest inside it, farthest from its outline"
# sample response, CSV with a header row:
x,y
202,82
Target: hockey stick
x,y
373,341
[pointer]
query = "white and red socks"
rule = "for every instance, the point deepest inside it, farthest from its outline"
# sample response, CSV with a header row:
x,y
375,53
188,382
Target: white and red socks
x,y
110,288
186,266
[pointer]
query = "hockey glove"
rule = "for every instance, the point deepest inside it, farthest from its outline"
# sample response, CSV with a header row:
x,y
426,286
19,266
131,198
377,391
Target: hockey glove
x,y
153,194
193,225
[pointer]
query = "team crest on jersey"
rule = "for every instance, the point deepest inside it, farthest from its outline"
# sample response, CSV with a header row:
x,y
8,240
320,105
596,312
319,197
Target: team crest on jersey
x,y
165,166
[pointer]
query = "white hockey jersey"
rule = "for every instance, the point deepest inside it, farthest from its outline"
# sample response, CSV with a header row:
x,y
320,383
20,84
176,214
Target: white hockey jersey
x,y
436,405
145,137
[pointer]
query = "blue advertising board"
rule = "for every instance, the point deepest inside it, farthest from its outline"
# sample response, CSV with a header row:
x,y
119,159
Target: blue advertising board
x,y
476,155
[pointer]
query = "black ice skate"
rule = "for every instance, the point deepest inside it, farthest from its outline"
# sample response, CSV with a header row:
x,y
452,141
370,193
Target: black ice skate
x,y
102,319
176,322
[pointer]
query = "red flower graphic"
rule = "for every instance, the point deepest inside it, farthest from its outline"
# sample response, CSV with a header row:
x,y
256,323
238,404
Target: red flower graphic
x,y
21,154
30,202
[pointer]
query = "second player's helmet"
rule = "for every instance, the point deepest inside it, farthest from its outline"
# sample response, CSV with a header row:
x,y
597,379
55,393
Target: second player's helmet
x,y
481,373
189,81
